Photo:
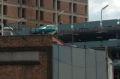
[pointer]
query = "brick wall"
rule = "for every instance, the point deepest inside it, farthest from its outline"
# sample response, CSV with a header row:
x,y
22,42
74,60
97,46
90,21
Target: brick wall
x,y
48,17
31,3
48,4
12,11
30,14
81,9
28,71
41,70
65,19
64,6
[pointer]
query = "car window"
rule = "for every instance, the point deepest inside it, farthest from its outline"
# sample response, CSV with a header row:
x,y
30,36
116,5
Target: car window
x,y
50,27
42,27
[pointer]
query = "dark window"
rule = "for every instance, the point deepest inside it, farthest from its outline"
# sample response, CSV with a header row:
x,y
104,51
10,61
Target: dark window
x,y
37,4
22,2
0,9
58,5
70,7
86,9
86,19
19,12
41,15
74,19
23,13
4,22
59,18
70,19
37,15
19,1
41,3
53,17
74,7
54,1
23,23
5,10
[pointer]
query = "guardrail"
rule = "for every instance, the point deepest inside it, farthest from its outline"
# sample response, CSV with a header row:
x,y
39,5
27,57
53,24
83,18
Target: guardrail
x,y
87,26
11,29
97,44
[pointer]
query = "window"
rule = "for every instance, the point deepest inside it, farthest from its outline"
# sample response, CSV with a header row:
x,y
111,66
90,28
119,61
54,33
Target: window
x,y
70,4
74,19
74,7
22,2
19,1
0,9
70,19
86,19
5,10
21,12
86,9
37,3
54,3
37,16
58,5
41,15
53,17
4,22
59,18
41,3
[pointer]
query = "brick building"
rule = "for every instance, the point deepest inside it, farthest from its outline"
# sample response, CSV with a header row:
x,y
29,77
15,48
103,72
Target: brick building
x,y
35,12
26,57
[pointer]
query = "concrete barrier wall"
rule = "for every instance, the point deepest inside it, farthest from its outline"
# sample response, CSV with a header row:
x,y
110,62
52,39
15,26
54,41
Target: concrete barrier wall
x,y
77,63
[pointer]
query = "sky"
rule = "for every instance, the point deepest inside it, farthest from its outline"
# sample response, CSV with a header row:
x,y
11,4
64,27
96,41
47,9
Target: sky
x,y
111,12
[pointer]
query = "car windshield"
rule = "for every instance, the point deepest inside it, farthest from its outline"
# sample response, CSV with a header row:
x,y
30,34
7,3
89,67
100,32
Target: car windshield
x,y
42,27
48,27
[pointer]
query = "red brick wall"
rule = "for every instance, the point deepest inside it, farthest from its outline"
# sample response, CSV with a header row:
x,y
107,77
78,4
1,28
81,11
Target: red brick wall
x,y
65,19
31,71
41,70
30,14
64,6
81,9
31,3
48,17
80,19
12,11
48,4
31,23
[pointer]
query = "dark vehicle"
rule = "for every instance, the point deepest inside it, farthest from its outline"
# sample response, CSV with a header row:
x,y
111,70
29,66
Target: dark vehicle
x,y
46,29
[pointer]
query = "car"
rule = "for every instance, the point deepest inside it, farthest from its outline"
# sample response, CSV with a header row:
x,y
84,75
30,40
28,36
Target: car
x,y
45,29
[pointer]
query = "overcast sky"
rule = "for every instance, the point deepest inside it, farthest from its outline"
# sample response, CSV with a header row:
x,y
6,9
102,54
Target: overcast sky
x,y
111,12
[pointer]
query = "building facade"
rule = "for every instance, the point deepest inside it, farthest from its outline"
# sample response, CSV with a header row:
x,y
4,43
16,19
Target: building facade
x,y
33,12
